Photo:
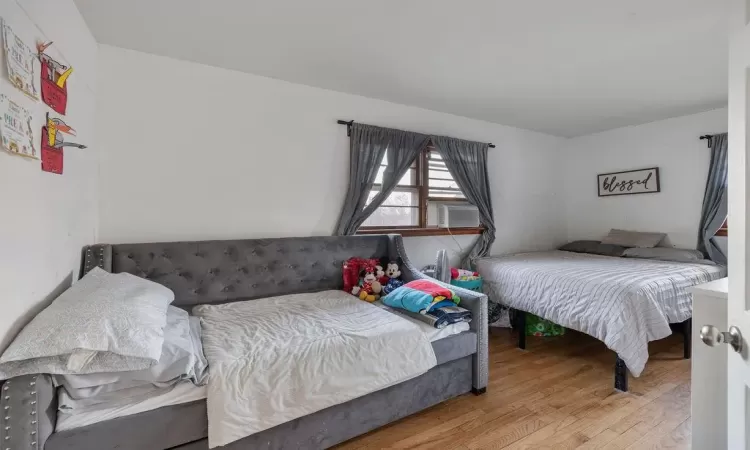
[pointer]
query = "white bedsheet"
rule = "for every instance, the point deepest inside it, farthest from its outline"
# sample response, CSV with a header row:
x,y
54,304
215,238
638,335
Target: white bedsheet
x,y
183,392
276,359
624,302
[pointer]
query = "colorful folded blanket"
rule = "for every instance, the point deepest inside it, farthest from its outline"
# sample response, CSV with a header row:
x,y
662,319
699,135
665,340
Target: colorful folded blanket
x,y
449,315
442,317
420,296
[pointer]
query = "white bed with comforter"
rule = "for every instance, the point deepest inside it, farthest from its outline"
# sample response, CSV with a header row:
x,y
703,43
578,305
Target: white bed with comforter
x,y
186,391
341,347
624,302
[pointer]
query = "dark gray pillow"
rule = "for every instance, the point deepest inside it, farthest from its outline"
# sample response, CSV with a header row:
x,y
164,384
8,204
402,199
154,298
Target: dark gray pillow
x,y
665,254
593,247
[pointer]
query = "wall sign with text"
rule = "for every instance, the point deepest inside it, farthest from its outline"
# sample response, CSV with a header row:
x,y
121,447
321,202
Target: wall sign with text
x,y
642,181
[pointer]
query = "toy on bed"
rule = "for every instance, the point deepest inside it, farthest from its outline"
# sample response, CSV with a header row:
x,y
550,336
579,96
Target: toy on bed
x,y
381,275
421,296
352,269
369,287
393,277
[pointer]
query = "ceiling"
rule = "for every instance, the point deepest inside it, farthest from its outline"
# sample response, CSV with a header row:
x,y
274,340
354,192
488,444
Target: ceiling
x,y
564,67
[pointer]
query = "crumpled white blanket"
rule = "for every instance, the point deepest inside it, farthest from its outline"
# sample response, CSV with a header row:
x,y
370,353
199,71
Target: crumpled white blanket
x,y
276,359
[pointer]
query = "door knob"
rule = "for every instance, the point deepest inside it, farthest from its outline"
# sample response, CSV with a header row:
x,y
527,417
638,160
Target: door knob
x,y
711,336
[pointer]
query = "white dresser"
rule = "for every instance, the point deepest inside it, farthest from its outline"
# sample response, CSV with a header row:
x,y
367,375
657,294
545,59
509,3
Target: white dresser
x,y
709,368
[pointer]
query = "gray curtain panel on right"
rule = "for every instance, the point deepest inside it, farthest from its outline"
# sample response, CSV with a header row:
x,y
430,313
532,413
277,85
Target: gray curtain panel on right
x,y
467,162
714,211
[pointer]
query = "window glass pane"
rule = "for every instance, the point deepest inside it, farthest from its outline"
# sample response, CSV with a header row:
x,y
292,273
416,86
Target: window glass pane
x,y
440,174
405,197
409,178
435,184
401,208
440,181
390,216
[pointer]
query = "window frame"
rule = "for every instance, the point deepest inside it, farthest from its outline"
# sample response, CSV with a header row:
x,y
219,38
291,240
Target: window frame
x,y
422,187
724,230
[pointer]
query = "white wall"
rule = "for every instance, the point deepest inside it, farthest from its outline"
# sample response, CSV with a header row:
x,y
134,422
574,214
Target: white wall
x,y
673,146
47,218
197,152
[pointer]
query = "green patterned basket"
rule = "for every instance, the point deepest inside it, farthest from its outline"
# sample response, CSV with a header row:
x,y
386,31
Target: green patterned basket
x,y
536,326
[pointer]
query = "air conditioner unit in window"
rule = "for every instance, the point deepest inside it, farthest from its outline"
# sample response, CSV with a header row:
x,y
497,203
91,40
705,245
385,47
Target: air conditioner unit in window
x,y
457,216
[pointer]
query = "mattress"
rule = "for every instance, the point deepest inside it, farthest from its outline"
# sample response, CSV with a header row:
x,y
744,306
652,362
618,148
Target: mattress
x,y
624,302
186,392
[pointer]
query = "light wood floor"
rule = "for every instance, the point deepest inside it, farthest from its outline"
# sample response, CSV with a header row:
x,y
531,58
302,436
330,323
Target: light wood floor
x,y
558,394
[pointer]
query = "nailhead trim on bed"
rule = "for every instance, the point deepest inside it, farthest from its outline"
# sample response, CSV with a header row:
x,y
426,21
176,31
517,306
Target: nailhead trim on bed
x,y
20,422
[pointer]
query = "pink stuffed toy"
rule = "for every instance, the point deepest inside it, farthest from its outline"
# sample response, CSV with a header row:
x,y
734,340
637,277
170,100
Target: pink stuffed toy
x,y
458,273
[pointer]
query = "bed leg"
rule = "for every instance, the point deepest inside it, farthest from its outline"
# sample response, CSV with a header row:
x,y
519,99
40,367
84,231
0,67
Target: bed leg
x,y
476,391
621,375
687,336
521,327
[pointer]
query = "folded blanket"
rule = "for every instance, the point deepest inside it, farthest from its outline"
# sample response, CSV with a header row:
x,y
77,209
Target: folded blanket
x,y
420,296
441,317
449,314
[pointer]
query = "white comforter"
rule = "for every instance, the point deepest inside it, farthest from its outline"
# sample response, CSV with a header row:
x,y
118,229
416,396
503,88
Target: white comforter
x,y
276,359
624,302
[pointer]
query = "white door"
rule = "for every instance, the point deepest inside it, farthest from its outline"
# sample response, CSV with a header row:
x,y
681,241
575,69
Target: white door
x,y
738,388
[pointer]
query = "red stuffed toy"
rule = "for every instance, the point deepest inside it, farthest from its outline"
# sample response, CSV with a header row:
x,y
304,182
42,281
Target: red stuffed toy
x,y
369,287
351,271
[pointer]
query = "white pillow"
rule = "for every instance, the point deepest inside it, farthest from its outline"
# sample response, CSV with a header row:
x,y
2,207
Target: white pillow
x,y
181,358
633,238
103,323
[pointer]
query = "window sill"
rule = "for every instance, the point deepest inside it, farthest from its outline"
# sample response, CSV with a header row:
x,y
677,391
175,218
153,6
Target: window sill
x,y
423,231
722,232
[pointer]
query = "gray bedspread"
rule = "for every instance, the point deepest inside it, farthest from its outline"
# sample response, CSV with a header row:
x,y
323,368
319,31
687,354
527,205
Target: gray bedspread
x,y
624,302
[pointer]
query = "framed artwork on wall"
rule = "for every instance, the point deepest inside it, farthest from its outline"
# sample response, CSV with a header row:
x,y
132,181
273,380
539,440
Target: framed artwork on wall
x,y
641,181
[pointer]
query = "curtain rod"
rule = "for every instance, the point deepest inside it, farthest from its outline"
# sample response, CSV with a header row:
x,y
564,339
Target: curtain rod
x,y
349,124
708,138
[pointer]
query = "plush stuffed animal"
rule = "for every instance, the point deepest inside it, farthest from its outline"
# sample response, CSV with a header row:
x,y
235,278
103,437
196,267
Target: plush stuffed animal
x,y
369,287
458,273
380,274
352,269
393,273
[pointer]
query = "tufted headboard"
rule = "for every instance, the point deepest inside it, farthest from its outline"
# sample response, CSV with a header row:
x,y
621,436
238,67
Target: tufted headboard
x,y
220,271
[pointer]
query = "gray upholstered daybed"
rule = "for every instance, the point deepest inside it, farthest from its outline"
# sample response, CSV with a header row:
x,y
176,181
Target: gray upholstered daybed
x,y
224,271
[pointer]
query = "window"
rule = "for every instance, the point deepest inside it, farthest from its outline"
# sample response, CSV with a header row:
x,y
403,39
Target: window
x,y
724,230
411,209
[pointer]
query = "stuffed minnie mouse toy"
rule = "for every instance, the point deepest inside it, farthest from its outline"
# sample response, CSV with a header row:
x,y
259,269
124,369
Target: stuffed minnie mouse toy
x,y
369,287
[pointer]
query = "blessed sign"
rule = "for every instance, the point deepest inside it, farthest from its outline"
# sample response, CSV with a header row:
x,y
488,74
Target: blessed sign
x,y
642,181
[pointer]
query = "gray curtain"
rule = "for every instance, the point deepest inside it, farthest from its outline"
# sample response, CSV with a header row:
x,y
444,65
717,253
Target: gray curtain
x,y
367,146
467,163
714,211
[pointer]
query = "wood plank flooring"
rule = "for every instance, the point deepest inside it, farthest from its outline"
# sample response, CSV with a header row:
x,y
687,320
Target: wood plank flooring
x,y
558,394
